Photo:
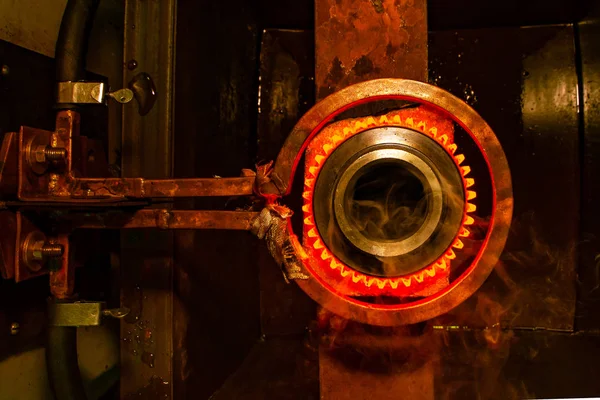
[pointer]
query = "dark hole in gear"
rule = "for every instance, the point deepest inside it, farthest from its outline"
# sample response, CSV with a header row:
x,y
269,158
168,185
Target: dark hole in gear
x,y
387,202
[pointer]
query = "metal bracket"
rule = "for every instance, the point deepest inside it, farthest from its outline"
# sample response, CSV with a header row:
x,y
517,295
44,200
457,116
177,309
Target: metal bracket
x,y
81,92
81,313
89,93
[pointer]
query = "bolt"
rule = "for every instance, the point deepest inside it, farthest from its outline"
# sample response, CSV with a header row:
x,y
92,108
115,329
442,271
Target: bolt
x,y
36,250
14,328
5,70
52,250
55,153
43,154
41,250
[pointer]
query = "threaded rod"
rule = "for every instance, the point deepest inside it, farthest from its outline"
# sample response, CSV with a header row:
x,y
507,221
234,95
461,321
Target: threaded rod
x,y
52,250
55,153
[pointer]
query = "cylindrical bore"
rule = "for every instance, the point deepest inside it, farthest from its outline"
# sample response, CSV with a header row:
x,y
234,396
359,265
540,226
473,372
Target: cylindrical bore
x,y
346,188
382,154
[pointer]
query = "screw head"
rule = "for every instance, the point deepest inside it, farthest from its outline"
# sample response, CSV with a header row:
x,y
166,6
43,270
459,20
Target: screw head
x,y
14,328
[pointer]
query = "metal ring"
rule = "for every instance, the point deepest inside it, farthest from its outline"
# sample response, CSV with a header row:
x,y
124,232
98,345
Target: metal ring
x,y
389,248
502,201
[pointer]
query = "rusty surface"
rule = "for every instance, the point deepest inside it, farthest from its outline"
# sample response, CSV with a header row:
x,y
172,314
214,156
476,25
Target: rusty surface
x,y
349,374
157,188
277,368
62,270
162,219
359,40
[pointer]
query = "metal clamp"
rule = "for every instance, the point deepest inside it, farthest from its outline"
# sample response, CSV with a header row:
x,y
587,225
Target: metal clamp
x,y
89,93
81,313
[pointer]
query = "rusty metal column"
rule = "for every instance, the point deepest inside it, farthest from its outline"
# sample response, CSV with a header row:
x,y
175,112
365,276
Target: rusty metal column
x,y
356,41
146,261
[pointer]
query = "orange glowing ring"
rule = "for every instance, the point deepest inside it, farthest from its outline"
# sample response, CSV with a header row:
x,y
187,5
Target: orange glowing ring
x,y
330,268
502,201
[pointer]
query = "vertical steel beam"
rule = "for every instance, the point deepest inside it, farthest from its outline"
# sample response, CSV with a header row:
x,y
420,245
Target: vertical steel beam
x,y
147,257
356,41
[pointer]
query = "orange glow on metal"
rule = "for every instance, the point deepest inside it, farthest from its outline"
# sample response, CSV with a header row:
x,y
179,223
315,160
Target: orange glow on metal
x,y
345,279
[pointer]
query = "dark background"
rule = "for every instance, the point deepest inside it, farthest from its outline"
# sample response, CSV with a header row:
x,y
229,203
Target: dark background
x,y
243,317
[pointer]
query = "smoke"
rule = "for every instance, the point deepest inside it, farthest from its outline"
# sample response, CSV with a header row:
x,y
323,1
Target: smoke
x,y
391,206
387,204
471,349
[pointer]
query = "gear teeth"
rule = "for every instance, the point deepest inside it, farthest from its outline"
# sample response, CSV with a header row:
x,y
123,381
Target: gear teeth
x,y
450,255
334,138
457,243
357,278
359,125
441,264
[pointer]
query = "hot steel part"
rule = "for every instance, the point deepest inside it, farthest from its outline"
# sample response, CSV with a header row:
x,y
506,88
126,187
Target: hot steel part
x,y
454,110
410,156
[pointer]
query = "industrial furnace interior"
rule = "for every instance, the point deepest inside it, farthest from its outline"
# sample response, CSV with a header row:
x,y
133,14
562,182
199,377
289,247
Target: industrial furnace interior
x,y
328,199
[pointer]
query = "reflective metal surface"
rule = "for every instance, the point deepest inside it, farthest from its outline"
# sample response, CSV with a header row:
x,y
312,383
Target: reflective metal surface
x,y
75,314
81,92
